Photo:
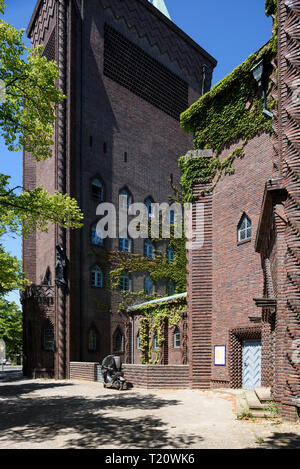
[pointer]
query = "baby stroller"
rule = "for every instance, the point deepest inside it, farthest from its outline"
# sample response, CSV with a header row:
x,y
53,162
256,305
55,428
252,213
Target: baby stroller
x,y
111,371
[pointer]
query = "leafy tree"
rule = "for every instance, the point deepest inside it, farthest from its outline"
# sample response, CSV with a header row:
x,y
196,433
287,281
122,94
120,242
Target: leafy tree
x,y
11,327
28,103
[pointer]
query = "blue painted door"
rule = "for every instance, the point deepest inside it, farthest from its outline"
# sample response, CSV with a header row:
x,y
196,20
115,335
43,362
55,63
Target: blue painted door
x,y
251,363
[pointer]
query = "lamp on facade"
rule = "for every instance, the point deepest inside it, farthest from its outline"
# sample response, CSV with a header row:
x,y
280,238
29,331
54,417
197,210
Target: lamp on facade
x,y
258,71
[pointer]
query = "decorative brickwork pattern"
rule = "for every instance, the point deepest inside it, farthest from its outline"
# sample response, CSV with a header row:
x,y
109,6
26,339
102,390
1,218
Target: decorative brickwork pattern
x,y
289,144
158,33
44,22
237,336
144,76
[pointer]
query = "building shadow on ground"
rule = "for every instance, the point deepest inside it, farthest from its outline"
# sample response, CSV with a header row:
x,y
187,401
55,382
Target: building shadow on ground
x,y
282,441
77,422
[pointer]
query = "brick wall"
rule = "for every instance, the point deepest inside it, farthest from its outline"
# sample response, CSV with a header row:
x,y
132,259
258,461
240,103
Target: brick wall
x,y
83,371
159,377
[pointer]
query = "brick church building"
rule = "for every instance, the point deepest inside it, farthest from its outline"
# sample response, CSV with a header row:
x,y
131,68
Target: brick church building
x,y
119,134
128,72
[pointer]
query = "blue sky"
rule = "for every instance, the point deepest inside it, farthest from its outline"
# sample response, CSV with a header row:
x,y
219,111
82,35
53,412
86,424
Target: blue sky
x,y
229,30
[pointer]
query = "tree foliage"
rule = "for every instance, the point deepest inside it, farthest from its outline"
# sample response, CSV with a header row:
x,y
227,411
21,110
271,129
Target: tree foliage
x,y
28,102
11,327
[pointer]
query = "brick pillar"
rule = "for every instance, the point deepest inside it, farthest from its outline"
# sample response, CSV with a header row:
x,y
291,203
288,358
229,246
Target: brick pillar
x,y
199,283
288,367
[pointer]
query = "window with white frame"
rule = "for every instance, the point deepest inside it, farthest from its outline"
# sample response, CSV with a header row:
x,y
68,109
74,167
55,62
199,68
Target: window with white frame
x,y
97,277
97,190
170,254
148,203
171,289
148,249
96,239
125,283
176,337
149,286
125,244
126,199
244,229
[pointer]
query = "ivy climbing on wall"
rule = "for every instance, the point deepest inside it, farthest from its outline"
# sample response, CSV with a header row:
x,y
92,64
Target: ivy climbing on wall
x,y
231,112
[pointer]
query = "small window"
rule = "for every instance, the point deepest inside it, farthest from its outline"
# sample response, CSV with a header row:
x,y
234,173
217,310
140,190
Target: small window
x,y
149,286
138,341
97,277
176,337
244,229
125,200
118,341
125,283
97,190
170,254
125,157
125,244
148,203
92,346
96,239
171,289
156,341
148,249
48,338
172,217
104,147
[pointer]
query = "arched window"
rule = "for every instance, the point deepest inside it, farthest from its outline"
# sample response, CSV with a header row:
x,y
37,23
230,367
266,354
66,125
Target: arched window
x,y
48,337
176,338
125,282
118,341
96,239
148,249
170,254
244,228
171,289
172,217
97,190
138,342
125,244
149,286
148,203
97,277
126,199
92,345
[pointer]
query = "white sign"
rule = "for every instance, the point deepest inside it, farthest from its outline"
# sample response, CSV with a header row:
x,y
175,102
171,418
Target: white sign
x,y
220,355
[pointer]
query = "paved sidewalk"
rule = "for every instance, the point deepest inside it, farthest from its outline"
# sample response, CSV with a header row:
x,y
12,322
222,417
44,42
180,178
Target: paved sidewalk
x,y
64,414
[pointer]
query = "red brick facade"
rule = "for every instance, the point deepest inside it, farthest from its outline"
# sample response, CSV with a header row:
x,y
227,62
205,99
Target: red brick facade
x,y
100,121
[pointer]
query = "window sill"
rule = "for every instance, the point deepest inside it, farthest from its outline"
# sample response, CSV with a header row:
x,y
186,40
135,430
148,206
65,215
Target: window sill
x,y
244,242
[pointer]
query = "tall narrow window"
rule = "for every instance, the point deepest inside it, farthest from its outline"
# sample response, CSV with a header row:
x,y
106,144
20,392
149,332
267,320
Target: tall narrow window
x,y
170,254
92,345
96,239
125,244
148,203
148,249
171,289
149,286
125,283
176,337
48,337
118,341
97,190
138,341
156,341
126,199
244,229
97,277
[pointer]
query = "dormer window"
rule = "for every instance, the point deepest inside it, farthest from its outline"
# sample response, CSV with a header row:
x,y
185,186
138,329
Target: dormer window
x,y
244,229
